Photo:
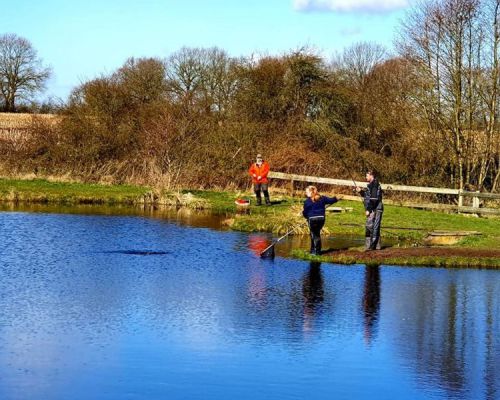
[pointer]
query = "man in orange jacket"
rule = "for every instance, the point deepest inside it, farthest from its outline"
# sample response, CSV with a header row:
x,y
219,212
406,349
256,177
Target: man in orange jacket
x,y
258,171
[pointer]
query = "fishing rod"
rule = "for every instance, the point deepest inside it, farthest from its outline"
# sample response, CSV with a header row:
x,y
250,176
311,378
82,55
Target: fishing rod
x,y
268,252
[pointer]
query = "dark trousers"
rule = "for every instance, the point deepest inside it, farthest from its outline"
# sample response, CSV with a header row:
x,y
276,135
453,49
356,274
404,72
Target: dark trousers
x,y
372,230
315,226
261,187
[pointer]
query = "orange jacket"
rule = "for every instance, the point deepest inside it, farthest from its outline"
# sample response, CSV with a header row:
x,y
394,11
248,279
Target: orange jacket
x,y
255,172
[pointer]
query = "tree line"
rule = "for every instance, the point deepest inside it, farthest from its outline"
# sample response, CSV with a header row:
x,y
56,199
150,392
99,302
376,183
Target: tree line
x,y
426,114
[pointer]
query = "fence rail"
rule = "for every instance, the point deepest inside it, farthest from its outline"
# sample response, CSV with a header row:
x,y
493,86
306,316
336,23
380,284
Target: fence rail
x,y
476,196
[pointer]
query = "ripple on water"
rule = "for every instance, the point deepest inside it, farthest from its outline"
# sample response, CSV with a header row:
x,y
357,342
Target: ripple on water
x,y
117,307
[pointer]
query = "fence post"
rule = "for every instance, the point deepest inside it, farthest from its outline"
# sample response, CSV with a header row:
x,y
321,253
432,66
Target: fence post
x,y
291,187
460,199
475,201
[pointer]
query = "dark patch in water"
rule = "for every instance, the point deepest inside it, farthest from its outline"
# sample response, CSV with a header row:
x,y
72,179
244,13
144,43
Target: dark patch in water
x,y
139,252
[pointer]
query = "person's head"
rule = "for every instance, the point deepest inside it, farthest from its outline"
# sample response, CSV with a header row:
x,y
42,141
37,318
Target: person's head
x,y
312,193
259,159
371,175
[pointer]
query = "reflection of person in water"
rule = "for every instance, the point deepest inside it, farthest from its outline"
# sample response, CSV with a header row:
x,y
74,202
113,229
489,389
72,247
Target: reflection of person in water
x,y
257,281
371,301
313,293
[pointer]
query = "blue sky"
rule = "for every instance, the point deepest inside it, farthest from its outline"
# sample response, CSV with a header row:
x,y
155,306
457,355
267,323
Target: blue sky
x,y
82,39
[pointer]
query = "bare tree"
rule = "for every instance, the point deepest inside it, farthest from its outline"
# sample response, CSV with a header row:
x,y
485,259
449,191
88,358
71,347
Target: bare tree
x,y
453,45
489,91
218,79
202,77
355,66
184,74
359,60
21,71
143,79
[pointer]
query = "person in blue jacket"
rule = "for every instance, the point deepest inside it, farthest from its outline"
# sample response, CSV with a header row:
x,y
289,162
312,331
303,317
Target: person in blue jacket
x,y
314,212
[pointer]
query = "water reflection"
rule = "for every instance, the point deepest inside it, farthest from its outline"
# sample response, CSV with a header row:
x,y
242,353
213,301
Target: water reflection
x,y
492,358
313,293
88,301
183,216
257,243
371,302
257,286
443,325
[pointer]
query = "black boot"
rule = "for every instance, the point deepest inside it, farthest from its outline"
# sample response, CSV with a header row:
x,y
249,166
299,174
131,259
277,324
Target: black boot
x,y
266,196
259,198
373,243
316,246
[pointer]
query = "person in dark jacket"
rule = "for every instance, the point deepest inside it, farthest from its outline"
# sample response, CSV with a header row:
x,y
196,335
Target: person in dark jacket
x,y
314,212
374,208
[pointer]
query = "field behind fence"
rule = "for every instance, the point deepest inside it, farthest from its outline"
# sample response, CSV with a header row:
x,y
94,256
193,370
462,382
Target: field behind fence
x,y
14,126
476,199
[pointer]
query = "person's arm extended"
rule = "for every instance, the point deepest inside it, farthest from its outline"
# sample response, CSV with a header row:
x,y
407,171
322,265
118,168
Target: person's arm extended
x,y
330,200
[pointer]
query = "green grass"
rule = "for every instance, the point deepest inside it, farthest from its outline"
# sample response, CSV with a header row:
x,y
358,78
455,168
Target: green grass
x,y
278,218
428,221
219,201
43,191
427,261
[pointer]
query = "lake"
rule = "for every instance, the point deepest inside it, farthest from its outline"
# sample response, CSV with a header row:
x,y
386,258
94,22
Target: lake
x,y
172,306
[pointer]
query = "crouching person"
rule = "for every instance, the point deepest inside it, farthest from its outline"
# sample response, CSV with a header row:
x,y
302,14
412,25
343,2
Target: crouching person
x,y
314,212
374,209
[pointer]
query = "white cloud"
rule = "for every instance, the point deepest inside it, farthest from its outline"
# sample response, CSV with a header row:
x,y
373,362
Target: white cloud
x,y
372,6
355,31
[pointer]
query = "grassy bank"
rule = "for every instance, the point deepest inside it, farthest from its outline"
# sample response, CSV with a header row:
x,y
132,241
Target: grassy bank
x,y
43,191
73,193
284,214
443,261
39,191
413,225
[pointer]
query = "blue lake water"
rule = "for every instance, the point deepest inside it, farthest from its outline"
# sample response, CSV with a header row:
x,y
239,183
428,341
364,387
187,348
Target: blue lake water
x,y
135,307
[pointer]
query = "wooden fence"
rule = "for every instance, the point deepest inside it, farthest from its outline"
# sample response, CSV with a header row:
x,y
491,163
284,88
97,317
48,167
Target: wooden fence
x,y
476,196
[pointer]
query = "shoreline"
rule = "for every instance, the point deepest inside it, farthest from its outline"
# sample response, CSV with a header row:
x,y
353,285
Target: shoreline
x,y
477,252
412,256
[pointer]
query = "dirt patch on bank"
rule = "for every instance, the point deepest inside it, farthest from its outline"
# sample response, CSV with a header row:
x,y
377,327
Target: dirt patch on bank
x,y
418,256
418,252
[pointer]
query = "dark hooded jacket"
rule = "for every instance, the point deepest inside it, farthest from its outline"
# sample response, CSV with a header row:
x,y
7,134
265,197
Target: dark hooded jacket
x,y
373,196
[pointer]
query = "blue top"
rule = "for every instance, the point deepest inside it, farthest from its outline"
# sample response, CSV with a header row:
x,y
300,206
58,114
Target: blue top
x,y
317,208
